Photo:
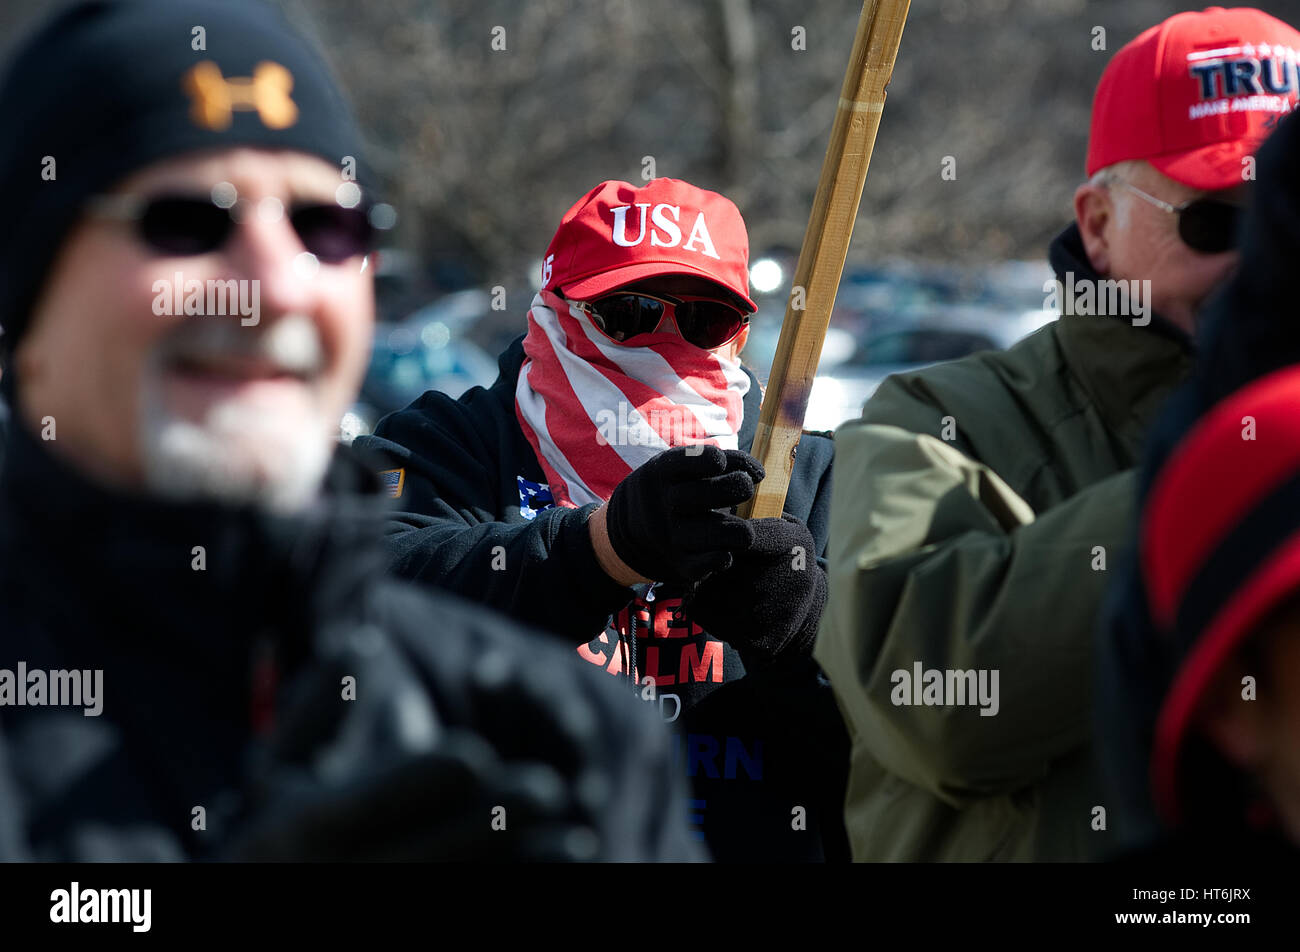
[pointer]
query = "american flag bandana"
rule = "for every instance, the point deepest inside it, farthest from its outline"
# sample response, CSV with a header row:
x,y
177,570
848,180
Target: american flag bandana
x,y
595,410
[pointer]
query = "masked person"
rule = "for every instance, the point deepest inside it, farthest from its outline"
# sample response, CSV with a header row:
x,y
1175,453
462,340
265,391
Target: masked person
x,y
200,653
983,503
589,491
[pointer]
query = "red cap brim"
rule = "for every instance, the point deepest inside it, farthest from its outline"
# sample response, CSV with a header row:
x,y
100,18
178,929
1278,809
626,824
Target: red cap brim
x,y
606,281
1209,168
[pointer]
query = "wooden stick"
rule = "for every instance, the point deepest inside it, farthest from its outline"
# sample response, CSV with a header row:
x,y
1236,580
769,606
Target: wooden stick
x,y
825,246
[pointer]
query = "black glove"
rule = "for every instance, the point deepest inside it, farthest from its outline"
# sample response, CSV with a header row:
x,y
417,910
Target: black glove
x,y
662,519
770,601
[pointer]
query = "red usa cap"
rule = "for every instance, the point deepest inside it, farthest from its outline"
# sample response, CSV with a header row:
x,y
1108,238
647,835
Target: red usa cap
x,y
617,234
1196,94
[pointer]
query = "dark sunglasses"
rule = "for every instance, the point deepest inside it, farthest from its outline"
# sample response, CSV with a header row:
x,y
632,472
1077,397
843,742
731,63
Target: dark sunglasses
x,y
1206,225
186,225
704,322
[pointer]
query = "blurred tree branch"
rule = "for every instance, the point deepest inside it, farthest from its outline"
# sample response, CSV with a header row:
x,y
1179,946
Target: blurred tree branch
x,y
482,150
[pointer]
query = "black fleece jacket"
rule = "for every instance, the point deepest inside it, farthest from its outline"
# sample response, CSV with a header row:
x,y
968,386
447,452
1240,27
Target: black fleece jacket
x,y
766,750
226,638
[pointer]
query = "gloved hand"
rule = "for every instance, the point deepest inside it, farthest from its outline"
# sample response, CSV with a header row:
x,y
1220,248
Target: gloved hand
x,y
662,519
768,603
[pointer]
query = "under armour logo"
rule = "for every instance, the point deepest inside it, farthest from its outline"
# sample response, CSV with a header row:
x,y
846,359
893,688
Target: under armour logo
x,y
215,97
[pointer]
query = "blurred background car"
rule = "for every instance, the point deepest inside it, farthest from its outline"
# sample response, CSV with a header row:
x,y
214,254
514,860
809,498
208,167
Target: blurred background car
x,y
852,369
428,350
898,317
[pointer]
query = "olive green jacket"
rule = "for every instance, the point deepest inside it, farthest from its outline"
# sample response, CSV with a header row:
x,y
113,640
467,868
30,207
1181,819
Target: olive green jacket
x,y
978,512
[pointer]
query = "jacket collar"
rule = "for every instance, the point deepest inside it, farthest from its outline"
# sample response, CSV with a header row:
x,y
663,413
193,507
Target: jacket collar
x,y
1127,371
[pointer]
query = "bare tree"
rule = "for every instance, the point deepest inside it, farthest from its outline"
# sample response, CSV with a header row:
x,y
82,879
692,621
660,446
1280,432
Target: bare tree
x,y
487,118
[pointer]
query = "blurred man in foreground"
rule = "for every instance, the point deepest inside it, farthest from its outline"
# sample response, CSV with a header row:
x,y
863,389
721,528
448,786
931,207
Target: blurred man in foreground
x,y
982,503
199,655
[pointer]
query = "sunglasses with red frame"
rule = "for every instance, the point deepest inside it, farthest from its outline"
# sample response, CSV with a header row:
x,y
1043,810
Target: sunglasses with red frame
x,y
703,321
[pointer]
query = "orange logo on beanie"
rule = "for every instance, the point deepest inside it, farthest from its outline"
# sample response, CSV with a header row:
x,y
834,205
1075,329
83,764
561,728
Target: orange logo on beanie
x,y
215,98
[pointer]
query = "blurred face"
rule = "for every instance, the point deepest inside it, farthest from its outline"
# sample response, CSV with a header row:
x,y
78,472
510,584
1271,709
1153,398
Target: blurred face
x,y
1262,736
1128,238
221,374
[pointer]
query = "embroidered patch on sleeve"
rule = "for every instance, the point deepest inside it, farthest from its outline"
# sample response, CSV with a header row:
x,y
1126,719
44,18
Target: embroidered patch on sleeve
x,y
394,481
533,498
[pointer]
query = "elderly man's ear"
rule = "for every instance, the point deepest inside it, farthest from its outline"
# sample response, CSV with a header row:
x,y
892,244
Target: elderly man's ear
x,y
1093,209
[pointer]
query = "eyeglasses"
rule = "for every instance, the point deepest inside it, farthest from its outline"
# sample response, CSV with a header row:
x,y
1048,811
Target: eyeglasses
x,y
704,322
1204,224
186,225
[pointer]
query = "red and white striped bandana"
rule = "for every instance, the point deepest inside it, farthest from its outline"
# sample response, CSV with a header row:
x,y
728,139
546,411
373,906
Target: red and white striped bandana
x,y
595,410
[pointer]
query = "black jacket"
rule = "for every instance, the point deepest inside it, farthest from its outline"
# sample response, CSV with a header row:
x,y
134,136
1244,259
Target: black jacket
x,y
756,745
229,641
4,427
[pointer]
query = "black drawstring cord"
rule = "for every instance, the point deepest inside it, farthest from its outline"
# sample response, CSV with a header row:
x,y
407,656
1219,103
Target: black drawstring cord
x,y
648,597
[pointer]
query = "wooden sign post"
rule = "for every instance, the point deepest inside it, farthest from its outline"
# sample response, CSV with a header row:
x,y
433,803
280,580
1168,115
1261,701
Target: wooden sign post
x,y
825,245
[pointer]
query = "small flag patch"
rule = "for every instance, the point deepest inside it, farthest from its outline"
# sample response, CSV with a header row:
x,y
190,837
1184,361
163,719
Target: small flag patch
x,y
394,480
533,497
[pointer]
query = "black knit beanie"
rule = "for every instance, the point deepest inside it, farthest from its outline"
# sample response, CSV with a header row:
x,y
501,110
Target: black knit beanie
x,y
107,87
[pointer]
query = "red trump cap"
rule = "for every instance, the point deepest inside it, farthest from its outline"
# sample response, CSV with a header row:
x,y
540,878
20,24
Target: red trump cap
x,y
617,234
1195,95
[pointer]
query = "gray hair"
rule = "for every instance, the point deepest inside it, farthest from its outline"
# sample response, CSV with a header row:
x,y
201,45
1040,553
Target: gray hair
x,y
1116,172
